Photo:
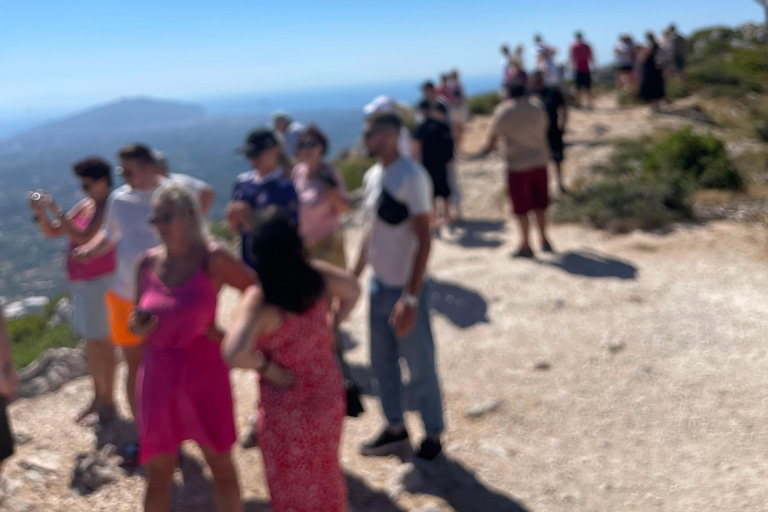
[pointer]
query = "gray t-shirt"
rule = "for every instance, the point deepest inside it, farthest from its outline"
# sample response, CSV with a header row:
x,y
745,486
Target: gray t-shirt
x,y
393,247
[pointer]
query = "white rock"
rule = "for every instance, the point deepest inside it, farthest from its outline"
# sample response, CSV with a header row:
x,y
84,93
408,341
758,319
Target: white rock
x,y
43,461
492,448
488,406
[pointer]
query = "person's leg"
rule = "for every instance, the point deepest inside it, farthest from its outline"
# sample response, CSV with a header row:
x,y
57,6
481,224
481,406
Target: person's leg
x,y
102,364
159,481
525,227
133,356
541,220
225,483
559,173
446,203
385,357
418,349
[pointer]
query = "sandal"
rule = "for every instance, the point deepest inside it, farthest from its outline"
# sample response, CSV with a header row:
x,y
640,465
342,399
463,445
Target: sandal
x,y
85,418
524,253
130,455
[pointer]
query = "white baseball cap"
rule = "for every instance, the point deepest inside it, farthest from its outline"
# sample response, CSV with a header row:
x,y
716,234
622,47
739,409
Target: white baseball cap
x,y
381,104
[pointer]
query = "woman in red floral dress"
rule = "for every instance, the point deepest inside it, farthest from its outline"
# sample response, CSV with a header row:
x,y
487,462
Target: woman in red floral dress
x,y
287,323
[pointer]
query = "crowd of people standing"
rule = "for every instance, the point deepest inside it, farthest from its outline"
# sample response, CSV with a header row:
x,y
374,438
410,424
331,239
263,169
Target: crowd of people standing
x,y
144,274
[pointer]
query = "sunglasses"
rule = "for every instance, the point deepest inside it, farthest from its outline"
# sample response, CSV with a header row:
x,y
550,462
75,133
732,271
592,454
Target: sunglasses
x,y
165,218
125,173
370,133
308,144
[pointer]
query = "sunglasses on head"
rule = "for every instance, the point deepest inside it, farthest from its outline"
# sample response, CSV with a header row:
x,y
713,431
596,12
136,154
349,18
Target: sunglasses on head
x,y
165,218
125,173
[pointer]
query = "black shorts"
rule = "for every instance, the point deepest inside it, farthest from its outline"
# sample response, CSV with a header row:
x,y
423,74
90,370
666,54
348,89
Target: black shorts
x,y
6,437
626,69
584,80
440,186
556,145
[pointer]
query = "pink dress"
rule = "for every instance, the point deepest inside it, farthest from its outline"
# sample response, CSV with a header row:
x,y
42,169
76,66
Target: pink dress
x,y
101,266
183,389
300,428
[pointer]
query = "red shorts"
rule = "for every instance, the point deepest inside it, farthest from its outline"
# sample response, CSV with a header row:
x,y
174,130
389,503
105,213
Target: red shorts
x,y
529,190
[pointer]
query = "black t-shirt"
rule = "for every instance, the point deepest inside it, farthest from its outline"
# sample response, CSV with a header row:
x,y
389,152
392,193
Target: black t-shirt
x,y
553,100
436,144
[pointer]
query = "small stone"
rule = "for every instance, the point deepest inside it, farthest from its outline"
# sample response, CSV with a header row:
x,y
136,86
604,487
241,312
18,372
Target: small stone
x,y
492,448
542,365
21,438
429,507
483,408
615,347
42,461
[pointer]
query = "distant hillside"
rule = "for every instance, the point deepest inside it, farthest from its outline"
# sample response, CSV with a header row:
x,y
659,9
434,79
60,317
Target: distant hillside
x,y
123,116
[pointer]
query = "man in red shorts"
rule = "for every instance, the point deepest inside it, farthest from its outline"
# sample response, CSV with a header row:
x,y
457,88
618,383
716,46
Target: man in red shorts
x,y
520,126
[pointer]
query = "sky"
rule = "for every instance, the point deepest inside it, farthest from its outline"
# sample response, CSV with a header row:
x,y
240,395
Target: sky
x,y
57,56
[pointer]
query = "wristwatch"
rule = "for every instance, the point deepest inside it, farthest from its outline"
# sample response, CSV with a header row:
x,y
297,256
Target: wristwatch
x,y
411,301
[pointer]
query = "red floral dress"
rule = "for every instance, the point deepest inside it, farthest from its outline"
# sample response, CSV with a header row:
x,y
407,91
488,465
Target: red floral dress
x,y
300,428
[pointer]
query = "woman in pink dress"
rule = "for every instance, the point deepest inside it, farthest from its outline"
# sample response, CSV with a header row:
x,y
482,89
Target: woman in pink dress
x,y
289,322
183,390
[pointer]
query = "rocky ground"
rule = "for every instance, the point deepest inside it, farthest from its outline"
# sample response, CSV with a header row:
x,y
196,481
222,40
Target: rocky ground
x,y
624,373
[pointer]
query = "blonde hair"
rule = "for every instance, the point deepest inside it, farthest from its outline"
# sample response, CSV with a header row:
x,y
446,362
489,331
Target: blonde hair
x,y
179,195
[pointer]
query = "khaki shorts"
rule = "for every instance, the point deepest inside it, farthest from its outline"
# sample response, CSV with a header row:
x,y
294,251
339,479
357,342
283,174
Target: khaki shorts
x,y
119,311
329,249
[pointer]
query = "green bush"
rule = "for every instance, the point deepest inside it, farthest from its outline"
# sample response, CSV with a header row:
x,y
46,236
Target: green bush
x,y
30,336
219,230
701,159
646,183
483,104
677,90
353,168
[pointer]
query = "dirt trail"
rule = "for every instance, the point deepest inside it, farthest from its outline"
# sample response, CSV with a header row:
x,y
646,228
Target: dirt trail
x,y
625,373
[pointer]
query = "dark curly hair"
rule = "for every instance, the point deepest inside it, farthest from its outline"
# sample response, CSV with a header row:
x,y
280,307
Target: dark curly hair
x,y
287,279
95,168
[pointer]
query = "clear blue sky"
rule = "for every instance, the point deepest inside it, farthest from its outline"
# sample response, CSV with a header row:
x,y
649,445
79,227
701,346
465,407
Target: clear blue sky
x,y
60,54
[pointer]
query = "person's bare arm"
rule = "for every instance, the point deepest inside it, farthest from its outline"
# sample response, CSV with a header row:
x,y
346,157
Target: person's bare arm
x,y
78,235
49,228
338,201
239,215
9,380
416,150
342,286
250,319
99,245
362,258
207,196
403,317
224,268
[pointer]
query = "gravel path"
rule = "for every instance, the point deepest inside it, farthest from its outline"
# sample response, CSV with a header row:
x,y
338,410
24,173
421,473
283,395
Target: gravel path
x,y
625,373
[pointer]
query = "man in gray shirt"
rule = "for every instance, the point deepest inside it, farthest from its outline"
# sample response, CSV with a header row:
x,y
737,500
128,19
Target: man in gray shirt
x,y
398,201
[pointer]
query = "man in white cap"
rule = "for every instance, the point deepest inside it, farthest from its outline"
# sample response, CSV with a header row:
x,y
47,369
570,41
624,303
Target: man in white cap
x,y
288,131
386,105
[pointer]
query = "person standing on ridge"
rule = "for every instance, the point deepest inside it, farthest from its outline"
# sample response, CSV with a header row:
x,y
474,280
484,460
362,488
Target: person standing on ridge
x,y
433,148
88,282
521,125
288,132
652,88
582,59
265,185
387,105
557,110
397,241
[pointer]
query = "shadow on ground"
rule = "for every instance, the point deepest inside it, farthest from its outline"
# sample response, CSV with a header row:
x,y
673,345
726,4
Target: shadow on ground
x,y
474,234
459,487
462,306
593,264
361,499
